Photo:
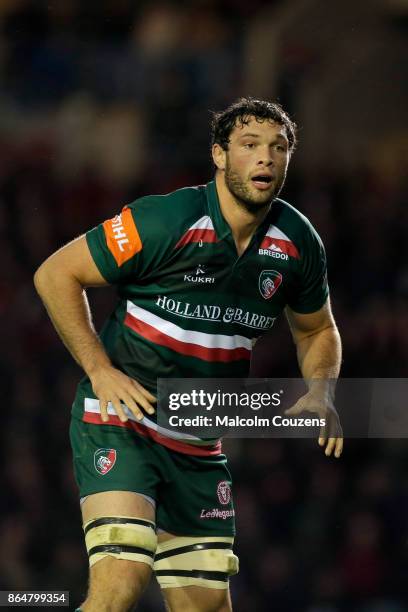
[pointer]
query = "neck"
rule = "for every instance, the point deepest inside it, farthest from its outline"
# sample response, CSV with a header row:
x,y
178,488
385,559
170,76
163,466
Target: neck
x,y
243,222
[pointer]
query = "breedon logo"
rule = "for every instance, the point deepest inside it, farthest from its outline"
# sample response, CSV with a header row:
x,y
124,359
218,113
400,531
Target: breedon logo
x,y
269,282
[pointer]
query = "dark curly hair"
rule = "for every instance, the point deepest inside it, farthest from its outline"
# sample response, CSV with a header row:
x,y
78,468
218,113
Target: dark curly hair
x,y
240,111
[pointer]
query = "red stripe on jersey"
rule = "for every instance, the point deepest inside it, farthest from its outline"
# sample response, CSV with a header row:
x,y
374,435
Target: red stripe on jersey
x,y
185,348
197,235
147,432
285,246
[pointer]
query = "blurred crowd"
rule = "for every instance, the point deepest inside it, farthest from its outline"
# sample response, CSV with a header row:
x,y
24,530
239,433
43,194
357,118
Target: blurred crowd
x,y
88,126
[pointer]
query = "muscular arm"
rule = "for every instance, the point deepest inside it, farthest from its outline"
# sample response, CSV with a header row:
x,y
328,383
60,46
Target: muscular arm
x,y
317,342
60,282
318,348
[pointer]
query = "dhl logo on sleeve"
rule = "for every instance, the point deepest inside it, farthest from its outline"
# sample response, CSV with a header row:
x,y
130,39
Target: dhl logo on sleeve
x,y
122,237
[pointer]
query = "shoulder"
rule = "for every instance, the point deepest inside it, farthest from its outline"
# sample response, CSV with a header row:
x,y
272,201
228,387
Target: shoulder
x,y
290,217
294,224
171,211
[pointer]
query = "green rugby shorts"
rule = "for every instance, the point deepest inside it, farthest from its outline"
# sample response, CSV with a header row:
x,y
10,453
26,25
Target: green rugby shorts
x,y
192,494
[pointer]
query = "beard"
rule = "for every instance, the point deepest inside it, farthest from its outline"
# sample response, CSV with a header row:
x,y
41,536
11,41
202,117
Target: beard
x,y
246,194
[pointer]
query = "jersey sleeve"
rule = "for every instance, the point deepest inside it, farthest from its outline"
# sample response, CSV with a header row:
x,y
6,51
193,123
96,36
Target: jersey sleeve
x,y
312,289
117,247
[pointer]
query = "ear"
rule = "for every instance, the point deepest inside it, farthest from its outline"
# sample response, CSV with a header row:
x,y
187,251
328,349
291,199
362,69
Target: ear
x,y
219,156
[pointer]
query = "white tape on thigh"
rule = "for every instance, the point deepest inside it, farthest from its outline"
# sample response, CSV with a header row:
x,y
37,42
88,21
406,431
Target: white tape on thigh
x,y
201,561
121,537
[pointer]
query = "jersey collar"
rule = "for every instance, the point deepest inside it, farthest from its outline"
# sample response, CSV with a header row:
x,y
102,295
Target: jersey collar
x,y
222,229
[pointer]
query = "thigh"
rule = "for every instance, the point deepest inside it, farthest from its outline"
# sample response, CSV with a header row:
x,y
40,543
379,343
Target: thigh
x,y
121,546
197,599
117,503
114,471
119,525
194,598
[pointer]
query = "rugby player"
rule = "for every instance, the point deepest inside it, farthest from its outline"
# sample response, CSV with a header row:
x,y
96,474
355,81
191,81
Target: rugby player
x,y
201,273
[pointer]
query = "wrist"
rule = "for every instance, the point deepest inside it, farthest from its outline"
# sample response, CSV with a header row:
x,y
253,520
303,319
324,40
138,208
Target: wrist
x,y
323,387
96,366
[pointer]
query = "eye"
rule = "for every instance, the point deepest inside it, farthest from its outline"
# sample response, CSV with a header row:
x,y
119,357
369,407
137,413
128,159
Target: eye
x,y
280,148
249,145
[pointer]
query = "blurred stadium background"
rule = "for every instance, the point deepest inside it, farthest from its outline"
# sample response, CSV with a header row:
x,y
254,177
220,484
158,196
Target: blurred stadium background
x,y
101,102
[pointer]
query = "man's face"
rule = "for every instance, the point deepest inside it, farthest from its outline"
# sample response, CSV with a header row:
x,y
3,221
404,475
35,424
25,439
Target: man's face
x,y
255,163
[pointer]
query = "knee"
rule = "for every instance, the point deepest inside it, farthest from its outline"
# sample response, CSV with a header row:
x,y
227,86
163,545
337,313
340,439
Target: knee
x,y
121,552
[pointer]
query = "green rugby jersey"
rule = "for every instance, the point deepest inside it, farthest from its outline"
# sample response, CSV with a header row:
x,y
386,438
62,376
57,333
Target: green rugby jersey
x,y
189,306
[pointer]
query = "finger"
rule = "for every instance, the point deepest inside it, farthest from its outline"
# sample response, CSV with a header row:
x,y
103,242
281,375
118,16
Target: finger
x,y
330,447
339,448
322,434
119,409
133,407
330,429
295,409
103,404
141,401
144,392
335,429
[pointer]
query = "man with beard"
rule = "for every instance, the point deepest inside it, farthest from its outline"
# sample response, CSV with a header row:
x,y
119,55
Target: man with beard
x,y
201,273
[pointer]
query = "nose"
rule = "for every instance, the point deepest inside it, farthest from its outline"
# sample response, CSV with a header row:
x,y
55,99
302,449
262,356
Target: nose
x,y
265,157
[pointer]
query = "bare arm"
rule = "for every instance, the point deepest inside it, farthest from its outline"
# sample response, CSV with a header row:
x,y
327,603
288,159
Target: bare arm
x,y
60,282
317,342
318,348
